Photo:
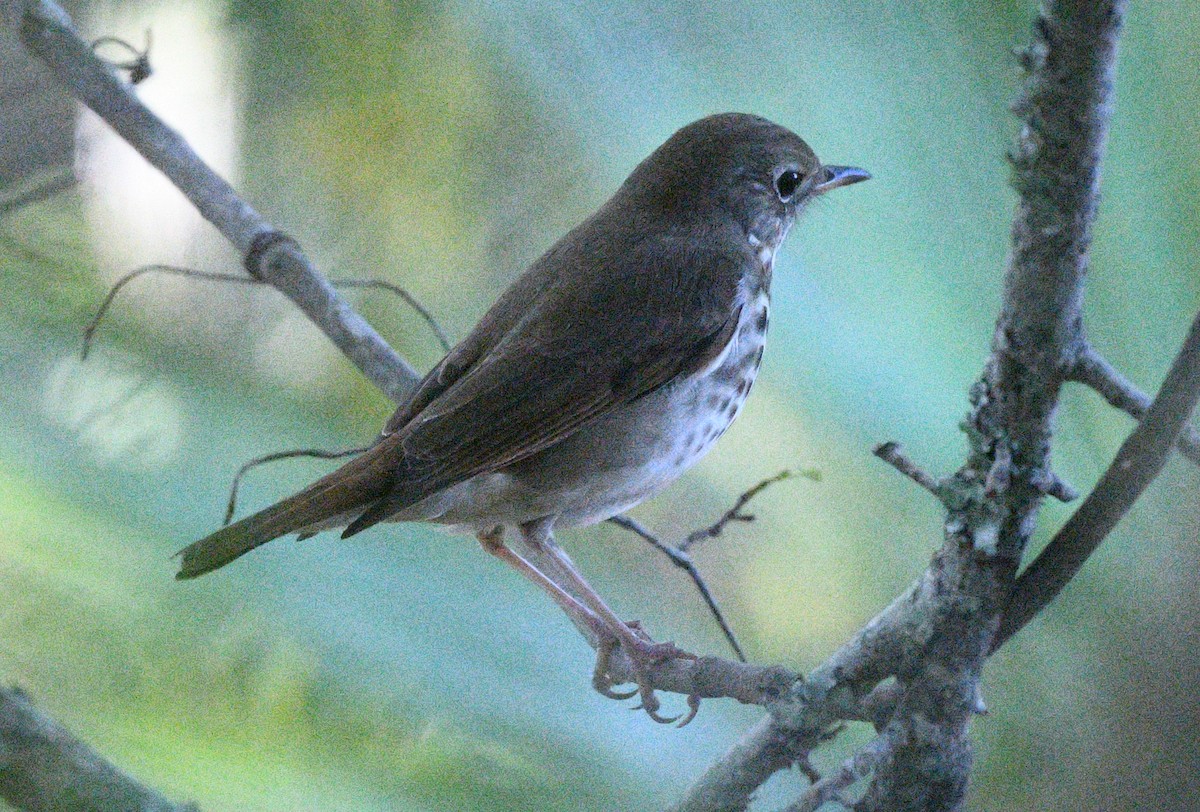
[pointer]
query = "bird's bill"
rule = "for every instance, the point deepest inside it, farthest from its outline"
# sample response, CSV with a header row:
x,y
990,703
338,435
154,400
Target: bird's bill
x,y
837,176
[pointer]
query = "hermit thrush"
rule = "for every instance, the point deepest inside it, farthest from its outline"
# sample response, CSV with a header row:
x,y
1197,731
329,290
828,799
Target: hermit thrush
x,y
601,374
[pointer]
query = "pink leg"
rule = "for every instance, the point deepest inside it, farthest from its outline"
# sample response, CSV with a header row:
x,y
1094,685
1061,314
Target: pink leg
x,y
643,652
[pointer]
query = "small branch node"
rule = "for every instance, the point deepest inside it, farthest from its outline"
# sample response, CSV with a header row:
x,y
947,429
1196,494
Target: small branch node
x,y
264,244
852,770
999,475
1051,484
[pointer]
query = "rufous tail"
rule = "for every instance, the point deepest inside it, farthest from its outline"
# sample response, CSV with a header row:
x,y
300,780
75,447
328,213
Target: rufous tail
x,y
355,486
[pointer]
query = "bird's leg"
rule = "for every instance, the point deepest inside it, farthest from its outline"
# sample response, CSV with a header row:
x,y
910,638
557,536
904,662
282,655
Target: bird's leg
x,y
643,652
493,542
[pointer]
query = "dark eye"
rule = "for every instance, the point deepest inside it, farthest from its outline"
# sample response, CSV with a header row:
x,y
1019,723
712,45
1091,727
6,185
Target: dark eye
x,y
786,184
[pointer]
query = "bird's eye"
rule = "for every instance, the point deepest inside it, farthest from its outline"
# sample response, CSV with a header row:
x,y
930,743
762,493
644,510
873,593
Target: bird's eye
x,y
786,184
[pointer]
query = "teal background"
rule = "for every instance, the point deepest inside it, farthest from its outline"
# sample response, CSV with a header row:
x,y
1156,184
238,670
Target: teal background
x,y
442,147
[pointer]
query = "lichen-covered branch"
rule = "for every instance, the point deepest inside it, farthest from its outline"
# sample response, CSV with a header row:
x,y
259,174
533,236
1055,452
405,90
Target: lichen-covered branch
x,y
1065,110
44,768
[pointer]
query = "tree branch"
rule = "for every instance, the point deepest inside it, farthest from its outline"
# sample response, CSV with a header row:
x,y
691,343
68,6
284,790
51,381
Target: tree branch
x,y
1142,456
1066,111
47,32
1093,370
43,767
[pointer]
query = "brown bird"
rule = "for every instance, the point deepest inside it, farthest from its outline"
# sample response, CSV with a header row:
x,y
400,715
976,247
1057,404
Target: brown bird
x,y
603,373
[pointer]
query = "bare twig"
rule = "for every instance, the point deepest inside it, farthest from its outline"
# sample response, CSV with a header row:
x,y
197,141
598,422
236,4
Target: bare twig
x,y
47,32
1094,371
680,557
1139,461
891,453
735,514
315,453
44,767
90,330
684,561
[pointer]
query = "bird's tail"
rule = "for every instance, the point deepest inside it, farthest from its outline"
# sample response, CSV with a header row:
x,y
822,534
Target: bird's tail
x,y
352,487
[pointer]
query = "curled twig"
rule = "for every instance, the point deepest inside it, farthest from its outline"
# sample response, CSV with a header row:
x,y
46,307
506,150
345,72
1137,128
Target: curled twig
x,y
238,279
403,294
138,67
315,453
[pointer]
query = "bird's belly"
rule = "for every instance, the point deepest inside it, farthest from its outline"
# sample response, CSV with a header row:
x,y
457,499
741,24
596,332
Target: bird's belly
x,y
621,459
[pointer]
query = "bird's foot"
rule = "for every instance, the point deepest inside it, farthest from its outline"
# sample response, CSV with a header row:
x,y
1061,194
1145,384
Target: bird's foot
x,y
644,654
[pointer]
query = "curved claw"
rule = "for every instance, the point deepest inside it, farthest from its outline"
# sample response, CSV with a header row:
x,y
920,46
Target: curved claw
x,y
693,702
662,720
643,652
604,689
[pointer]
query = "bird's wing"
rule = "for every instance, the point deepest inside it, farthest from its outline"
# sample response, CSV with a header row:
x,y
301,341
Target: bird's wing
x,y
581,351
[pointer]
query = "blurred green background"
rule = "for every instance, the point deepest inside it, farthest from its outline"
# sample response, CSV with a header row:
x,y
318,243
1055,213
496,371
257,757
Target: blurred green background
x,y
442,147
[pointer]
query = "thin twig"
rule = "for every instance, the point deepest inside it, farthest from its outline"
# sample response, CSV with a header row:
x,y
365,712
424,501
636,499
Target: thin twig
x,y
315,453
679,556
891,453
90,330
403,294
684,561
211,276
1138,462
1095,372
735,514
